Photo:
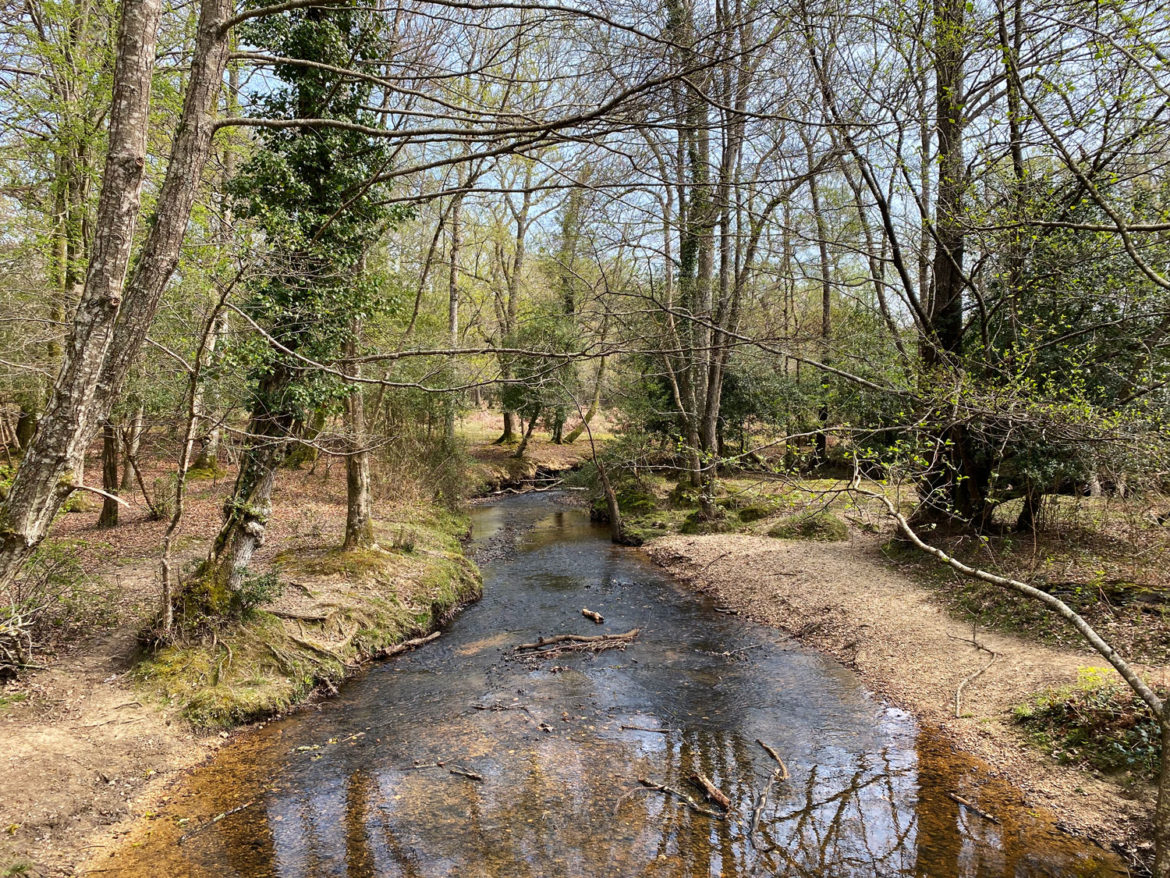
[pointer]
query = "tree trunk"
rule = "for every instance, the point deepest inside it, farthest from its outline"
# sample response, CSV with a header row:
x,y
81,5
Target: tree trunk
x,y
47,474
452,315
132,439
822,437
113,315
1026,521
359,524
247,510
509,434
594,405
110,453
26,424
208,456
523,446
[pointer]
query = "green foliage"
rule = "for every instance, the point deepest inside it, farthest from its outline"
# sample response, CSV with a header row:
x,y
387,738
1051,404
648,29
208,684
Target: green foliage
x,y
308,191
1097,722
542,383
256,590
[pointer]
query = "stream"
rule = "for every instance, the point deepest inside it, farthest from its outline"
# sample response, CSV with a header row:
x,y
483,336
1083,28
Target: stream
x,y
343,789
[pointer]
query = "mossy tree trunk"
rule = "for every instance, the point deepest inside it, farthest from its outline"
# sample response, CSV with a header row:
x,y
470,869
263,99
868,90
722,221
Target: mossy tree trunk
x,y
247,510
510,432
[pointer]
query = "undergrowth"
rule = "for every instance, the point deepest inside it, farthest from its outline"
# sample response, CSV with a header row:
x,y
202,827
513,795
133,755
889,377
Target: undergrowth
x,y
1095,722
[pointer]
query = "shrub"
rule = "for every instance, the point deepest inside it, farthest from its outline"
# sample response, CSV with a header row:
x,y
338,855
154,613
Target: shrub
x,y
755,512
1095,722
50,599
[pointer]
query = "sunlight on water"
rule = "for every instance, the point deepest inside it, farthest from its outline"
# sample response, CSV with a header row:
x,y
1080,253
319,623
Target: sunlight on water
x,y
354,788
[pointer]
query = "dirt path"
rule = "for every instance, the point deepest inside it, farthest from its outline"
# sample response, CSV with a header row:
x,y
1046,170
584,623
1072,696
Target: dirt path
x,y
843,598
82,754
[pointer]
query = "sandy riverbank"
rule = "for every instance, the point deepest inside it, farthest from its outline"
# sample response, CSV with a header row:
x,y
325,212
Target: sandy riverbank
x,y
843,598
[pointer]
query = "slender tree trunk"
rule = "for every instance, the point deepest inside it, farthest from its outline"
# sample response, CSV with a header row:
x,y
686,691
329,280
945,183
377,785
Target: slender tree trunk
x,y
208,455
114,315
453,313
594,405
822,437
131,439
166,568
110,454
523,446
359,524
48,471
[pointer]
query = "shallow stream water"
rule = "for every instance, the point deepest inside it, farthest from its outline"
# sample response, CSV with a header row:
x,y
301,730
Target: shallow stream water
x,y
336,790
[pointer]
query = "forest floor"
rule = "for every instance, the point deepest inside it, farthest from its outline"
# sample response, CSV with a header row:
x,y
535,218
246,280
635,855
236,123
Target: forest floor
x,y
92,742
907,627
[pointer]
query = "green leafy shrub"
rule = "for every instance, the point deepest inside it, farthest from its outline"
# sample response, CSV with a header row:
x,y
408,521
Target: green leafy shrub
x,y
1095,722
256,591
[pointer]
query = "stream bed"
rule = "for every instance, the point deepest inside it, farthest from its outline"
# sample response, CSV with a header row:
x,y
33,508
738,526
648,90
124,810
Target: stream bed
x,y
344,789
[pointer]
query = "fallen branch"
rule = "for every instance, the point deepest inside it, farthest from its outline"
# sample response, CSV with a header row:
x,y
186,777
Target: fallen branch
x,y
972,807
969,678
1062,609
783,768
580,641
761,802
712,792
300,617
687,800
596,617
478,778
645,729
399,648
214,820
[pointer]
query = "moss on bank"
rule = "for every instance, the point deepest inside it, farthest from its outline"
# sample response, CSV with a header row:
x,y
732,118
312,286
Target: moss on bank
x,y
822,527
339,609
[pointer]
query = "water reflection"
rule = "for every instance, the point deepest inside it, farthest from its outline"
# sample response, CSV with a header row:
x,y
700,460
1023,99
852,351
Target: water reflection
x,y
346,790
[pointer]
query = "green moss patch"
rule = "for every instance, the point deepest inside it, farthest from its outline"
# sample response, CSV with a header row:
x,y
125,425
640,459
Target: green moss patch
x,y
822,527
756,512
346,607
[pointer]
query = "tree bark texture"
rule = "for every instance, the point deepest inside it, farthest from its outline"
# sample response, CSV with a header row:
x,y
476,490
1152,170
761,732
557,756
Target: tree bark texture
x,y
359,523
111,451
76,408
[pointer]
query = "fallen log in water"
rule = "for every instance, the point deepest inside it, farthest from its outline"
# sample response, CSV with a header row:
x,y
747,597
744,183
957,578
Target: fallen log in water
x,y
563,642
590,614
972,807
712,792
783,768
399,648
687,800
